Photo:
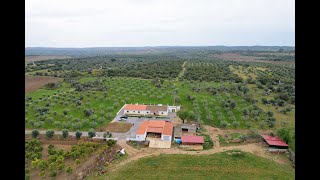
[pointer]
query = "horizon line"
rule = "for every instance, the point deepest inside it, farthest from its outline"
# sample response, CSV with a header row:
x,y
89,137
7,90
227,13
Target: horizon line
x,y
164,46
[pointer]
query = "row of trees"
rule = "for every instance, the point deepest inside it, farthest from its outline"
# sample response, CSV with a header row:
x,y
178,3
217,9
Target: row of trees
x,y
65,133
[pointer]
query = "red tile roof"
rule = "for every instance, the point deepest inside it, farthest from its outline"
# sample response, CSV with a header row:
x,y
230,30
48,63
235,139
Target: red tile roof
x,y
192,139
167,129
135,107
274,141
154,130
143,127
163,127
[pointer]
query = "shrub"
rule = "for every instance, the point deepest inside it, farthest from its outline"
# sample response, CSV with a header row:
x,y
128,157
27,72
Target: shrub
x,y
91,133
49,133
77,161
65,133
254,133
53,174
111,142
66,111
78,134
223,124
284,133
34,133
68,170
235,124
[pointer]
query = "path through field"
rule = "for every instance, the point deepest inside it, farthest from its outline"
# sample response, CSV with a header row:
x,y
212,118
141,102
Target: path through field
x,y
182,71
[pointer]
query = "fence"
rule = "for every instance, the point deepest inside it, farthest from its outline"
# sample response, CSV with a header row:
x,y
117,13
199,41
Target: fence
x,y
292,157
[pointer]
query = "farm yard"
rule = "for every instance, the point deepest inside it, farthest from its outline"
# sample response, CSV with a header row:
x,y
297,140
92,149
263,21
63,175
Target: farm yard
x,y
243,98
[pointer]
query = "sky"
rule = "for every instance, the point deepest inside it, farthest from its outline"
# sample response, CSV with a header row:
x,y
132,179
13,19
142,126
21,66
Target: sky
x,y
131,23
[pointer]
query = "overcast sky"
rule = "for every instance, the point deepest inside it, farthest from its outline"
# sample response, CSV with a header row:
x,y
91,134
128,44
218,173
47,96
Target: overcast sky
x,y
125,23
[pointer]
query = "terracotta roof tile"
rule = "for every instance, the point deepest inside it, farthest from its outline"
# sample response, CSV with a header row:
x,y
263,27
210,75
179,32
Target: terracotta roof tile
x,y
155,126
135,107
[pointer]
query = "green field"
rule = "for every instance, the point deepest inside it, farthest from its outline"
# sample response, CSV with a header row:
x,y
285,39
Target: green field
x,y
216,166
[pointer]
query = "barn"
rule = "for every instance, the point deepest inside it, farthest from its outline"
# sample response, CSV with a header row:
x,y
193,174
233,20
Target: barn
x,y
192,140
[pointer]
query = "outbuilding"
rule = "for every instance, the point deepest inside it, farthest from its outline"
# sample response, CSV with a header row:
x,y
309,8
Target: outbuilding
x,y
192,140
275,142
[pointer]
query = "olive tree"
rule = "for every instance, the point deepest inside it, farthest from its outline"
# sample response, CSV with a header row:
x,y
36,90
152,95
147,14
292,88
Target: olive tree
x,y
50,133
34,133
65,133
91,133
78,134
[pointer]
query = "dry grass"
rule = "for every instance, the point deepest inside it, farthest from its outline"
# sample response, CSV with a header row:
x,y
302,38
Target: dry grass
x,y
118,127
33,83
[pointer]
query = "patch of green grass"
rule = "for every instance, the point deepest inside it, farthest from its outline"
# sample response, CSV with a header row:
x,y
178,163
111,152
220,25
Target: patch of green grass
x,y
215,166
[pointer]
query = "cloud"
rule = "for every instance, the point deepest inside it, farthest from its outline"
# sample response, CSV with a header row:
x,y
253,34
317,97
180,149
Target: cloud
x,y
79,23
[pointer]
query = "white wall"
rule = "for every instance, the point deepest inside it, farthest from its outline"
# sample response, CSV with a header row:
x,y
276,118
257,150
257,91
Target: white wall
x,y
176,108
141,137
164,112
136,112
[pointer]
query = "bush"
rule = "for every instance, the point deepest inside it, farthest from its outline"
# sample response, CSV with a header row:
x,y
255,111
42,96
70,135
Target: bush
x,y
254,133
78,134
223,124
77,161
235,124
53,174
284,134
66,111
50,133
91,133
68,170
111,142
65,133
34,133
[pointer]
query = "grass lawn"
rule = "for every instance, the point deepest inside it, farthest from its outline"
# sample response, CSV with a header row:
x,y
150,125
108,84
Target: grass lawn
x,y
216,166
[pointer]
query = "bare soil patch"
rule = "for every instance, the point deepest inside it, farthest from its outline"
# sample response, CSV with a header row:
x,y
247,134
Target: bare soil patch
x,y
33,83
118,127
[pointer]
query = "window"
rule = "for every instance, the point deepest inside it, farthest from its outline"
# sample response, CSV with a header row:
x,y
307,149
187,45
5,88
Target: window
x,y
147,112
138,111
134,111
161,112
127,111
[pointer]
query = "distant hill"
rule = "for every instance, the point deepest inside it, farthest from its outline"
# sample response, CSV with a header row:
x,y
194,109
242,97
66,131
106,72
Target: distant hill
x,y
95,51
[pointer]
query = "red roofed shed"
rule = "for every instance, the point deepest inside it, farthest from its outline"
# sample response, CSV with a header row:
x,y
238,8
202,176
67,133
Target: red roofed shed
x,y
274,141
192,140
